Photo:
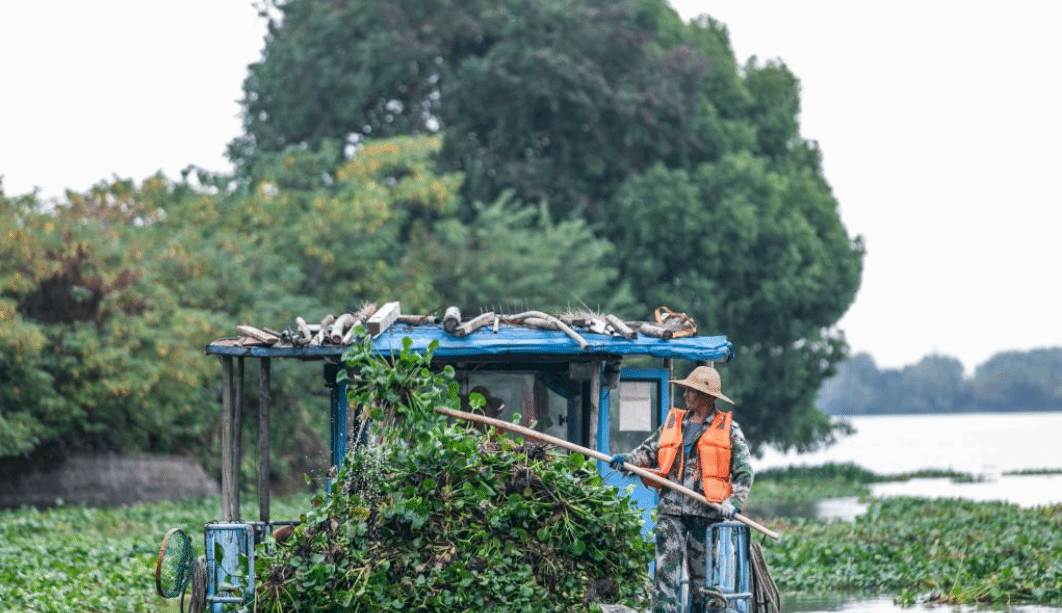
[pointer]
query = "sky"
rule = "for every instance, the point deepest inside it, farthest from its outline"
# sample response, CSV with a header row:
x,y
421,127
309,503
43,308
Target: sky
x,y
939,125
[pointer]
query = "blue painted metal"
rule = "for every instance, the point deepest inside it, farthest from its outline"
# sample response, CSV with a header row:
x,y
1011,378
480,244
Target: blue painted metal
x,y
228,580
602,426
509,341
338,401
644,497
728,564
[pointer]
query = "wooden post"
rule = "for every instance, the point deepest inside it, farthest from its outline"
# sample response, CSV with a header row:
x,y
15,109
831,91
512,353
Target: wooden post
x,y
595,401
237,440
263,439
304,329
259,335
340,326
226,438
552,321
383,318
322,330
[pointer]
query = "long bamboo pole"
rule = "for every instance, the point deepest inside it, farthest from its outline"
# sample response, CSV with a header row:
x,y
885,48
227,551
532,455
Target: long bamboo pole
x,y
641,472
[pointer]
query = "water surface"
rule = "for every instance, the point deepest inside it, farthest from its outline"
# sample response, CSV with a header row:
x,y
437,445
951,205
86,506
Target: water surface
x,y
803,603
986,445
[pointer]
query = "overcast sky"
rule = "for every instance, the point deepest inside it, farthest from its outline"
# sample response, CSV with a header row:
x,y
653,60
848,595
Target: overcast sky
x,y
939,123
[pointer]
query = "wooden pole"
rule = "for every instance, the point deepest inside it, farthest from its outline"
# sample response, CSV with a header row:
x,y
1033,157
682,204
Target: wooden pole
x,y
263,439
237,440
641,472
226,438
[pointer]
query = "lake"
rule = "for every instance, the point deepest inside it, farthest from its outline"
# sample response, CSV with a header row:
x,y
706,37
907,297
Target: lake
x,y
987,445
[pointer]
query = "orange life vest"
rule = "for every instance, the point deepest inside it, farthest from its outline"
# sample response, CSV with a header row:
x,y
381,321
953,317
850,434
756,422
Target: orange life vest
x,y
713,452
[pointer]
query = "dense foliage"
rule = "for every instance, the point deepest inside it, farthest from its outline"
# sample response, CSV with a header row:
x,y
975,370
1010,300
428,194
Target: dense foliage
x,y
96,350
428,516
1008,381
73,559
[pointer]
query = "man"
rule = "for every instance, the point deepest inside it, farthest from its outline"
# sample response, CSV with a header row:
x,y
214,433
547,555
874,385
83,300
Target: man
x,y
703,449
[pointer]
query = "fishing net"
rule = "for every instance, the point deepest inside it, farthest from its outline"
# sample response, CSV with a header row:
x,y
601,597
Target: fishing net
x,y
680,324
174,566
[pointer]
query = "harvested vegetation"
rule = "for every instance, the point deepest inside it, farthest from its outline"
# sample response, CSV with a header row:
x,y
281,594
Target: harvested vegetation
x,y
431,516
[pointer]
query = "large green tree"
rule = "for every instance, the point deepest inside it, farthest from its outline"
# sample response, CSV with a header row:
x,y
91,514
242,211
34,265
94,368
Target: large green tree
x,y
758,255
95,354
107,300
618,114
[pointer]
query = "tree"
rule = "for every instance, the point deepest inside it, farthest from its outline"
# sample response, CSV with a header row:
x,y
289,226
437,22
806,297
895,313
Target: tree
x,y
515,257
854,389
617,114
555,101
94,356
1007,381
763,258
107,301
1019,381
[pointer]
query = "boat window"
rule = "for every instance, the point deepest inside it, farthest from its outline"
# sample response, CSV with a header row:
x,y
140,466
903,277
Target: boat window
x,y
543,400
632,414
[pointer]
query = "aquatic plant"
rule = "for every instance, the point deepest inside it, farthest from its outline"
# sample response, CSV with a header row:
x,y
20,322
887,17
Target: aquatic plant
x,y
430,516
943,550
73,558
794,491
1034,471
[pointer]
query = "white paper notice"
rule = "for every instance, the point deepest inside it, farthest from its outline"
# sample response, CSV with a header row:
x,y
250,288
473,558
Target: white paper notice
x,y
636,406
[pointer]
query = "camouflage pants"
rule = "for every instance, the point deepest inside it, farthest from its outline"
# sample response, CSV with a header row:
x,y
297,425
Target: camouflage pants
x,y
679,538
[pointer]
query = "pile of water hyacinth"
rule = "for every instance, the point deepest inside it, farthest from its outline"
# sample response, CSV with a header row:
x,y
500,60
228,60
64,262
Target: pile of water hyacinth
x,y
426,515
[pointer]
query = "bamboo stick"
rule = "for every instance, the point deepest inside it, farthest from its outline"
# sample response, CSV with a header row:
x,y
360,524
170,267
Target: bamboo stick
x,y
553,320
474,324
641,472
259,335
304,330
621,327
340,326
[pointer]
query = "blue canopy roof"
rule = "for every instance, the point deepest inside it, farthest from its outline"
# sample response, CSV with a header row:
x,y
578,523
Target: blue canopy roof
x,y
508,341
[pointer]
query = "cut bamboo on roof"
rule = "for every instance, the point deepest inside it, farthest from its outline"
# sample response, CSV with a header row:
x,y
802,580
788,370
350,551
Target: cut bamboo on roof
x,y
343,330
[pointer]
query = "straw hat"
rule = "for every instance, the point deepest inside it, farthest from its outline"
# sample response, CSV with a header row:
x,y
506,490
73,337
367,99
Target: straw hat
x,y
705,379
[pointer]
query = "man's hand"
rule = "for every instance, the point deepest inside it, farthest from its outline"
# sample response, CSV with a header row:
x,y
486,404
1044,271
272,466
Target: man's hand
x,y
616,463
727,510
